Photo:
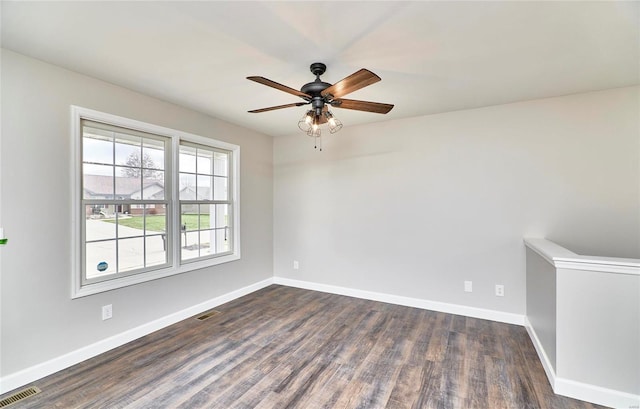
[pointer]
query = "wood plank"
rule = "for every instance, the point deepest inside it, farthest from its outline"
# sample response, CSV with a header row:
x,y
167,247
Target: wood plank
x,y
283,347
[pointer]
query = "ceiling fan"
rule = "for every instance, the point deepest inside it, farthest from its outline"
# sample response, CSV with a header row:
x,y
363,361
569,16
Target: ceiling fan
x,y
320,95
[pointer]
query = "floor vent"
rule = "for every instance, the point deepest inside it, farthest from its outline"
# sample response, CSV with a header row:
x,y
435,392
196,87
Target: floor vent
x,y
19,396
207,315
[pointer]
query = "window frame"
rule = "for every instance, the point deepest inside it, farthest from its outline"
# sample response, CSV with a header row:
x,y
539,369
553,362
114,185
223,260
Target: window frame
x,y
80,288
115,202
208,202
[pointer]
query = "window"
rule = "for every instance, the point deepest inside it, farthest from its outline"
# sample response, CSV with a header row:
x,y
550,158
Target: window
x,y
123,199
205,205
132,224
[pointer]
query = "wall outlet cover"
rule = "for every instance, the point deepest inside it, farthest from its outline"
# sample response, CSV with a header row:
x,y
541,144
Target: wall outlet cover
x,y
107,312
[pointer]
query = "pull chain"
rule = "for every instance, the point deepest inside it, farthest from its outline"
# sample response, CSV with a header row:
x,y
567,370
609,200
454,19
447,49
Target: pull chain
x,y
317,145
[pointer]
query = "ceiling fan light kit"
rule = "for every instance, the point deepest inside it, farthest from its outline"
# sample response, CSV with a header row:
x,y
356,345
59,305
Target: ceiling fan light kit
x,y
320,95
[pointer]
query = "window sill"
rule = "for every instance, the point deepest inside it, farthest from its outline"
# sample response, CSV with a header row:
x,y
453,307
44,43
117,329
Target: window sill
x,y
79,290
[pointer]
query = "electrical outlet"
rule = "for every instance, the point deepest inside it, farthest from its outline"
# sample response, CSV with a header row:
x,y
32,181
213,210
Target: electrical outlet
x,y
468,286
296,264
499,290
107,312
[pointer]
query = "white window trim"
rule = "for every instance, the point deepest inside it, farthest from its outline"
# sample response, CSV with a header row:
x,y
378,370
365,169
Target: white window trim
x,y
80,290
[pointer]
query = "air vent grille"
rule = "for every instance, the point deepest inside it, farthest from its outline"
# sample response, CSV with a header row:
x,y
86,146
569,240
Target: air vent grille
x,y
207,315
17,397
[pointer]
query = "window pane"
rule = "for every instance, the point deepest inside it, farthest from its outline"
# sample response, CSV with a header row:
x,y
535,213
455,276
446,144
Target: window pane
x,y
205,242
222,215
220,188
97,181
204,162
153,152
205,219
97,149
156,218
187,159
189,245
153,185
96,227
130,226
128,150
100,258
101,170
204,188
207,230
130,254
189,217
187,187
220,164
128,183
156,250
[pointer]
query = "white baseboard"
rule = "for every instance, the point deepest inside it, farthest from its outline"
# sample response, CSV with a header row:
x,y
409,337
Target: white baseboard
x,y
473,312
25,376
596,394
578,390
544,359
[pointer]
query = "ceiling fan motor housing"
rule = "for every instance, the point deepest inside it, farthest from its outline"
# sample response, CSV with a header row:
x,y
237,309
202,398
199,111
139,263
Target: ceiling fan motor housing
x,y
316,87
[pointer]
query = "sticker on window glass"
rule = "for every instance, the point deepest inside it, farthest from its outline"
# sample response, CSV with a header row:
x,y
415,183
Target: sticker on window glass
x,y
102,266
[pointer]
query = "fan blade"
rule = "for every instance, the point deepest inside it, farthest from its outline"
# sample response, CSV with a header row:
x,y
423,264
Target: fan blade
x,y
353,82
295,104
273,84
377,107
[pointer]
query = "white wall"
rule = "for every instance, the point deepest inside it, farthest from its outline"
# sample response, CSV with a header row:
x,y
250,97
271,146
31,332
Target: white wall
x,y
40,321
599,329
541,304
414,207
583,317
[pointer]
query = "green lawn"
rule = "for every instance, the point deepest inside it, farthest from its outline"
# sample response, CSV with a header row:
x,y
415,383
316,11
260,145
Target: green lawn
x,y
157,222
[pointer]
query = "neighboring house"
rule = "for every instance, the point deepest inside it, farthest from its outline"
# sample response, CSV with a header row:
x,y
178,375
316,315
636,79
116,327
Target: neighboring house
x,y
189,193
98,187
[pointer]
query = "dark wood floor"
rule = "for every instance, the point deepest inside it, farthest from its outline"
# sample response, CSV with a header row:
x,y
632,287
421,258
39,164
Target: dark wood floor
x,y
283,347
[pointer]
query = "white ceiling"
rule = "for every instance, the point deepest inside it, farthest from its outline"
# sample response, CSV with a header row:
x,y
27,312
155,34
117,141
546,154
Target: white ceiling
x,y
432,56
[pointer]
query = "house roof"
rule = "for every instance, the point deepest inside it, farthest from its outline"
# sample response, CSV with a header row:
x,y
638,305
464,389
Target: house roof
x,y
189,192
103,185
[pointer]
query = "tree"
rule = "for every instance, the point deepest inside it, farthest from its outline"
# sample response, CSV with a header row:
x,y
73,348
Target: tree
x,y
136,167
